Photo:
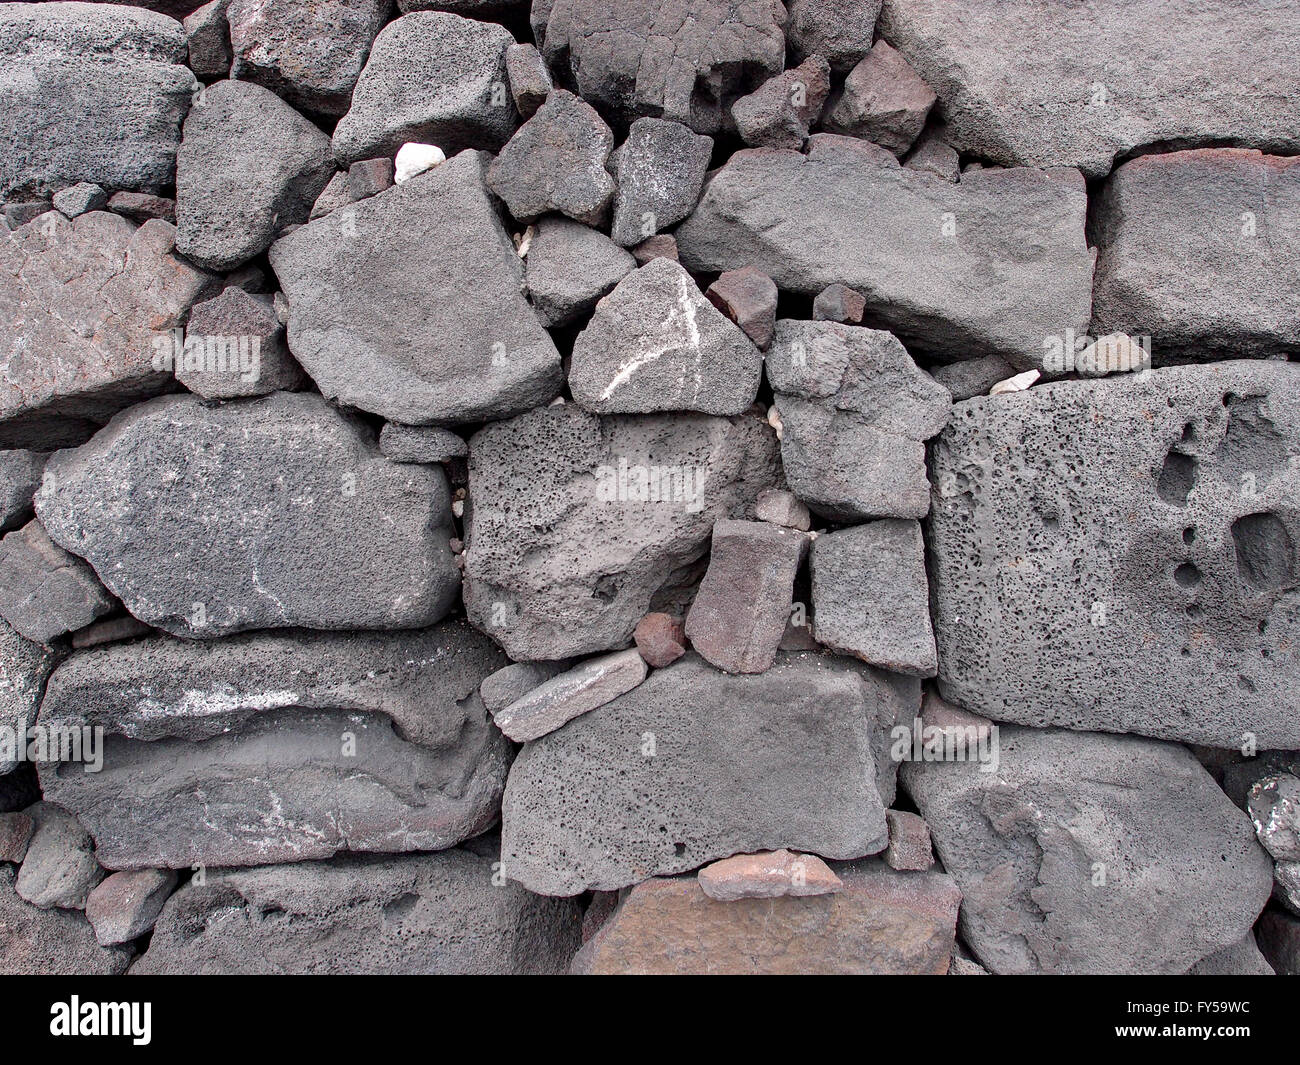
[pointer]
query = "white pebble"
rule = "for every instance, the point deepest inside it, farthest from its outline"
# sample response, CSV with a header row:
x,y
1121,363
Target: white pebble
x,y
1015,384
415,159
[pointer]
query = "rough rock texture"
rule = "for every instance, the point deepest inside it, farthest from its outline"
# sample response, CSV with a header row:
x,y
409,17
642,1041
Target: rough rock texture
x,y
991,266
1242,958
142,206
24,667
530,80
1065,859
660,639
420,443
1199,75
309,53
431,77
782,110
909,842
782,508
870,596
267,748
880,923
248,166
125,905
1077,522
425,914
839,303
79,198
207,32
515,681
1278,935
82,303
769,875
35,942
936,155
244,353
660,170
367,177
15,833
974,377
92,92
59,868
883,100
1274,807
740,612
45,591
1200,251
569,267
571,694
147,503
655,343
684,60
452,341
748,297
578,525
855,411
840,30
556,162
650,783
20,476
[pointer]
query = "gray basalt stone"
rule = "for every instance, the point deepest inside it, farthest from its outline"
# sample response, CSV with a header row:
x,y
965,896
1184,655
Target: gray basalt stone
x,y
1278,936
684,60
125,905
20,476
556,162
840,30
243,353
1274,807
654,783
24,668
433,914
420,443
883,100
855,412
1198,252
46,592
93,92
530,80
432,78
516,680
779,113
268,513
207,33
1143,530
1003,102
1242,958
59,868
309,53
740,612
655,343
578,525
660,170
914,245
1065,859
280,748
569,267
936,155
79,198
83,306
248,166
35,942
974,377
451,343
870,597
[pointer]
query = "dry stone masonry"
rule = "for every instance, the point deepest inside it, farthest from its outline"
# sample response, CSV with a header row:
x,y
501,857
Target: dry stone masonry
x,y
650,486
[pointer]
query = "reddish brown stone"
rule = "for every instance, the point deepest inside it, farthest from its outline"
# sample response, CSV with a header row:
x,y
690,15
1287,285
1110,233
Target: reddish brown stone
x,y
767,875
839,303
15,833
909,847
141,206
660,246
661,639
881,922
126,904
748,297
367,177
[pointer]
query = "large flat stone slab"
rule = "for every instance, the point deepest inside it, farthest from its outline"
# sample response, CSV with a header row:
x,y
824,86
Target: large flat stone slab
x,y
1025,83
1088,853
994,264
280,748
696,764
1120,555
431,914
267,513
